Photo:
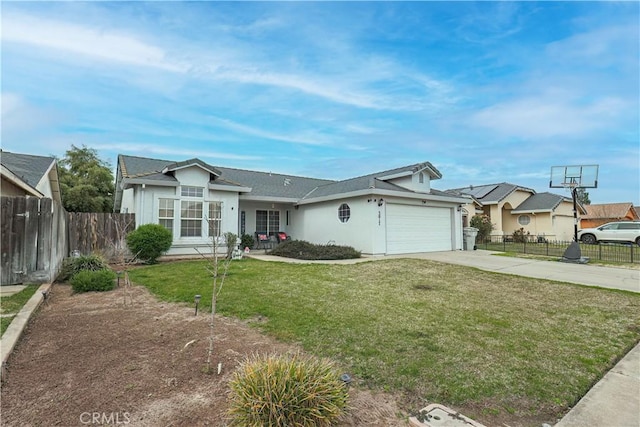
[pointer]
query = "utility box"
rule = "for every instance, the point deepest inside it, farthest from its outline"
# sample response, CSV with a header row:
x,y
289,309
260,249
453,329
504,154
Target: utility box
x,y
469,238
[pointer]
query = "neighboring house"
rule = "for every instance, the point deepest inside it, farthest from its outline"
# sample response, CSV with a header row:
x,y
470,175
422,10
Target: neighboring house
x,y
512,207
607,212
28,175
390,212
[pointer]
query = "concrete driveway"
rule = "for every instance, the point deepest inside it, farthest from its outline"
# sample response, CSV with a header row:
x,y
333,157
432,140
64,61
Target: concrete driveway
x,y
627,279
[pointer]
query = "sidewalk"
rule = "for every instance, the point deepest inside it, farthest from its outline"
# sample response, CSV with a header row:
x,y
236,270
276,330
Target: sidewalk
x,y
615,400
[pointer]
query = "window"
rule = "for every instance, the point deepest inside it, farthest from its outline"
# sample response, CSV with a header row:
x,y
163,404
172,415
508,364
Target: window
x,y
215,218
629,226
187,191
191,219
524,220
268,222
165,213
421,178
344,212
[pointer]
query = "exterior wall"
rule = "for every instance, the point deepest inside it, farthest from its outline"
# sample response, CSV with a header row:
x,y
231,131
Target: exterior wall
x,y
128,201
500,214
563,222
44,186
319,223
10,189
412,182
144,202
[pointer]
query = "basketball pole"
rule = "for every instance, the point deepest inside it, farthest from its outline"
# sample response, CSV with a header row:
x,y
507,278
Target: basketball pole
x,y
574,194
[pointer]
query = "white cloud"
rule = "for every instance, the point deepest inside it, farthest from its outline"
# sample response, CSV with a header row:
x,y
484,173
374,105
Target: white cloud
x,y
548,116
309,139
81,40
147,149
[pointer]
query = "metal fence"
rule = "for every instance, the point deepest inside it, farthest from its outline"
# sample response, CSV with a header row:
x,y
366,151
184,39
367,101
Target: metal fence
x,y
539,245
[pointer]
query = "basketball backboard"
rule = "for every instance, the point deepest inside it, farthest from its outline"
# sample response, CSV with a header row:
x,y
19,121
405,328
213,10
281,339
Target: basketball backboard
x,y
577,176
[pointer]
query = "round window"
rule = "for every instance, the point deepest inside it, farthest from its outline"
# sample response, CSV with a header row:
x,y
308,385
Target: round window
x,y
524,220
344,212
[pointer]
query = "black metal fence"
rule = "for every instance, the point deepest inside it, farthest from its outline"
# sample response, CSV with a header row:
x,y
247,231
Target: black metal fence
x,y
539,245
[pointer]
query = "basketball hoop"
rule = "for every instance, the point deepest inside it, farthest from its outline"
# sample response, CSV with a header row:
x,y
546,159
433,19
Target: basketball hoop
x,y
571,178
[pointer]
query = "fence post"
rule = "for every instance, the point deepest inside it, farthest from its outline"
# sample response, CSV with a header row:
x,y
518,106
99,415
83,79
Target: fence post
x,y
600,251
632,252
546,244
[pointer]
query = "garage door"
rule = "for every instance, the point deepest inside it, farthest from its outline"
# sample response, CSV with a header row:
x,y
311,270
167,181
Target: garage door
x,y
418,229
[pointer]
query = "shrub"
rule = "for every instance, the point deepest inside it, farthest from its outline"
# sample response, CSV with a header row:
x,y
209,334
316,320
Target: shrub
x,y
149,241
87,281
484,226
286,391
247,241
519,236
74,265
304,250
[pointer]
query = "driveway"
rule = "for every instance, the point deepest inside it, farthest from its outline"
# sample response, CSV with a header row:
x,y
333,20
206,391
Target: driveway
x,y
627,279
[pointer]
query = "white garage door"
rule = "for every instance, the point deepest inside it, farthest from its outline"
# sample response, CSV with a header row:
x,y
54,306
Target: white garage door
x,y
418,229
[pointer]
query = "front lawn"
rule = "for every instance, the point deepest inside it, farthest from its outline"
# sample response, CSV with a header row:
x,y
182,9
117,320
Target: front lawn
x,y
488,343
10,306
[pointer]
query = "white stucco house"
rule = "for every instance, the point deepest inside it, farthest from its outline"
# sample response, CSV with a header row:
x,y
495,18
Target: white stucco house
x,y
390,212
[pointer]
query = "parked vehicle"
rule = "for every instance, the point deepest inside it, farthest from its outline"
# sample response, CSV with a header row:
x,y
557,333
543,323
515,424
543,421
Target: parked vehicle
x,y
620,231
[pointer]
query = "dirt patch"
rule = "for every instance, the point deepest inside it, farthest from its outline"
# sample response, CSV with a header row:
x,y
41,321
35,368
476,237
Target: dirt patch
x,y
124,358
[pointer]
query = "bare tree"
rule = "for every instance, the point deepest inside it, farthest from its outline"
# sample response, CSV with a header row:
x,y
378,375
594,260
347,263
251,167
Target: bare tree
x,y
218,267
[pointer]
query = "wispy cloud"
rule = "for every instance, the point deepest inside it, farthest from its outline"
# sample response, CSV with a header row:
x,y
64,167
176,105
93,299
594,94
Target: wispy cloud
x,y
103,45
156,150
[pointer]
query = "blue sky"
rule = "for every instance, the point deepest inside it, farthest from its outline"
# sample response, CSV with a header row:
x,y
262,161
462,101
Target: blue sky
x,y
487,92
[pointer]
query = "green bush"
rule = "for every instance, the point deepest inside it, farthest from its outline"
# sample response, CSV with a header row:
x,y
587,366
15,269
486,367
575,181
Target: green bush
x,y
87,281
74,265
149,241
484,226
246,241
300,249
286,391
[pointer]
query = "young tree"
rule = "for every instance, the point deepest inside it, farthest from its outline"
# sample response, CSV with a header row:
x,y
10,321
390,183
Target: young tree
x,y
86,181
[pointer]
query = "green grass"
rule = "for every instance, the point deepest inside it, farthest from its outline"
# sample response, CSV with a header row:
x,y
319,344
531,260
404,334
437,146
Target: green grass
x,y
13,304
604,253
432,331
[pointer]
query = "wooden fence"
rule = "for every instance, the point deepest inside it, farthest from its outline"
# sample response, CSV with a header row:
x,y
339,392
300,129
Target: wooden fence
x,y
99,232
37,234
33,239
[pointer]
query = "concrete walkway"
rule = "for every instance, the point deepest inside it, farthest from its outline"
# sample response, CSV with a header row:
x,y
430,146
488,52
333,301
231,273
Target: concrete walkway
x,y
615,400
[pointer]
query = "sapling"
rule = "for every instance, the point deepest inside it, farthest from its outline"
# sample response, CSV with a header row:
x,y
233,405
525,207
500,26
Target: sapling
x,y
218,267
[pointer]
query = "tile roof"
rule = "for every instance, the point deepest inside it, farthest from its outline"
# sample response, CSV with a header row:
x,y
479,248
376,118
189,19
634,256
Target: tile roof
x,y
609,211
29,168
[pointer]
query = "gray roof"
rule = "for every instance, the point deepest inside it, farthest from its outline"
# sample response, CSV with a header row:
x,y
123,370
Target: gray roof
x,y
29,168
373,181
268,184
490,193
541,202
263,184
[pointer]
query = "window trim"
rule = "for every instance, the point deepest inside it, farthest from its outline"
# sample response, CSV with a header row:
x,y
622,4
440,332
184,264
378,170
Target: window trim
x,y
184,218
167,218
344,213
522,218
